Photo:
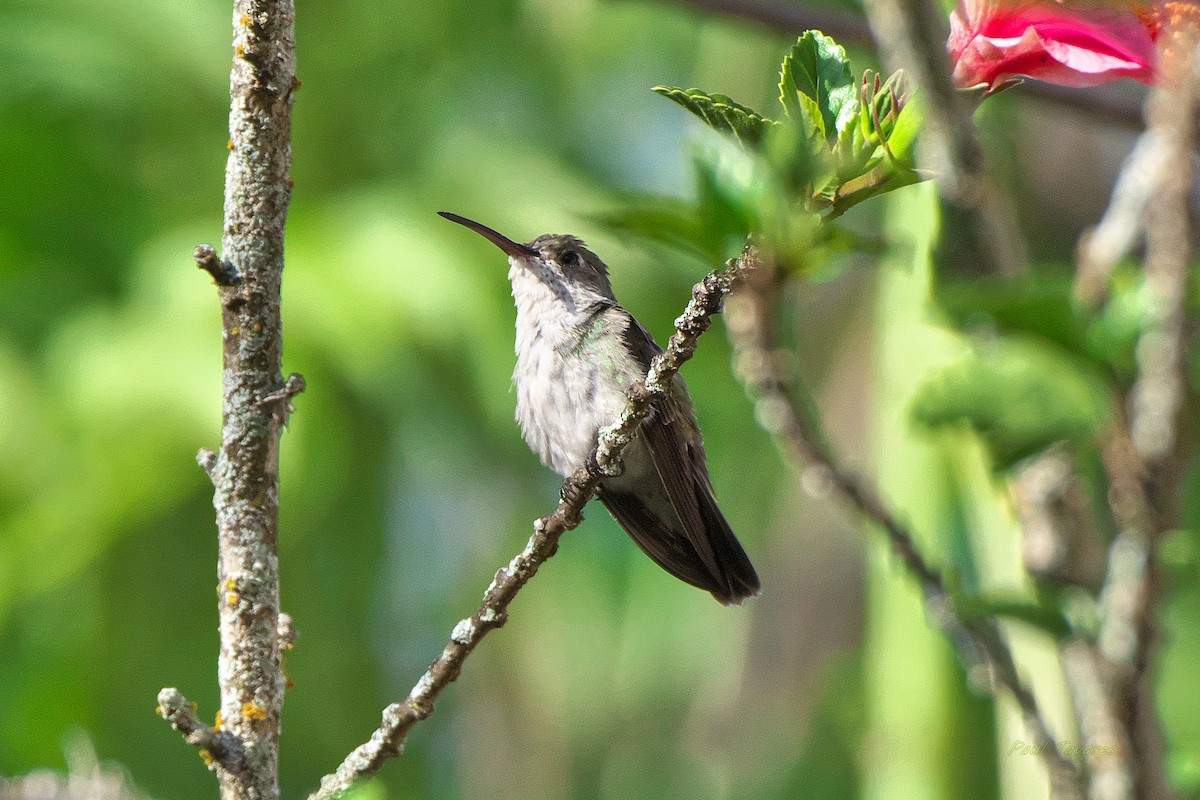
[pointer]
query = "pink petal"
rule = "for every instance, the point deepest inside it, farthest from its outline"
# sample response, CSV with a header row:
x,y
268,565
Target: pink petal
x,y
1065,44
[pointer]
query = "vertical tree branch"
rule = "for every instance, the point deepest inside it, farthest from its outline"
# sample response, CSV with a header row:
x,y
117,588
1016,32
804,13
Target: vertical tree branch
x,y
257,192
1157,398
256,398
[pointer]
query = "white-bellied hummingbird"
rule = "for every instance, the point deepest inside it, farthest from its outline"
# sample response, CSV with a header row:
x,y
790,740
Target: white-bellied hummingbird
x,y
578,352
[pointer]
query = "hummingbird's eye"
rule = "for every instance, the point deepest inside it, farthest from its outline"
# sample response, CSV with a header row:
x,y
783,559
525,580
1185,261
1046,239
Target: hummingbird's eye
x,y
570,258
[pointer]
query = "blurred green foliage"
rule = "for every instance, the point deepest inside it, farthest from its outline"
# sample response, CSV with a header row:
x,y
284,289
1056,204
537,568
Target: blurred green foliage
x,y
405,483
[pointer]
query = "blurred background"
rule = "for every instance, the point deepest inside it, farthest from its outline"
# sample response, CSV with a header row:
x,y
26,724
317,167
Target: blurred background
x,y
405,482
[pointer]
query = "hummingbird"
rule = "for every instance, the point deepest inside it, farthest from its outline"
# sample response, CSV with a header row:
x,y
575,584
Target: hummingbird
x,y
578,351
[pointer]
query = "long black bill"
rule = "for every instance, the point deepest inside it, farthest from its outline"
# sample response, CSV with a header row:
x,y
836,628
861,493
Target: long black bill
x,y
515,249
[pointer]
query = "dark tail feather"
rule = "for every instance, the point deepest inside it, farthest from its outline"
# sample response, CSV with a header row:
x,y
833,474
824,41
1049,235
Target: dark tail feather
x,y
738,575
733,579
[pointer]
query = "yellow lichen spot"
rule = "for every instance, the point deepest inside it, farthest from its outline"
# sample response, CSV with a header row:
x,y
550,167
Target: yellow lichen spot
x,y
244,20
220,720
253,711
207,758
230,583
158,710
229,145
232,598
240,50
234,332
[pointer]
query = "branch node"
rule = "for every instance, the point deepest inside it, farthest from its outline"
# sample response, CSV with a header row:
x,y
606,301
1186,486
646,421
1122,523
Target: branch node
x,y
208,460
286,631
224,748
223,272
282,396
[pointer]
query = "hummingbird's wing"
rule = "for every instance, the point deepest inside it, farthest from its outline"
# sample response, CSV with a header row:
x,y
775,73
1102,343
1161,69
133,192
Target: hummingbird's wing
x,y
667,505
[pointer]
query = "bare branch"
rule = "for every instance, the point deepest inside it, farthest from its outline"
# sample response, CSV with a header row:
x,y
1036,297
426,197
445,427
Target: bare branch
x,y
286,630
245,475
1105,744
223,272
1150,461
1158,393
1059,536
1120,230
207,459
844,26
758,364
387,741
218,746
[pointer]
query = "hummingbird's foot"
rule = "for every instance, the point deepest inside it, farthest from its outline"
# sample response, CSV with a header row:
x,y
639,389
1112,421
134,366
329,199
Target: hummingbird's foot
x,y
571,494
615,467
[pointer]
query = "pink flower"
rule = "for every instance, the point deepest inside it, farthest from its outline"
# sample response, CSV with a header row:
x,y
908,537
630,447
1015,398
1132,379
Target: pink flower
x,y
1070,42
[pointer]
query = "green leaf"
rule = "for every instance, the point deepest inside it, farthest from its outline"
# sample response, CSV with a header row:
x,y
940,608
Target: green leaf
x,y
668,220
1041,304
876,182
721,114
1019,396
818,71
903,137
1015,607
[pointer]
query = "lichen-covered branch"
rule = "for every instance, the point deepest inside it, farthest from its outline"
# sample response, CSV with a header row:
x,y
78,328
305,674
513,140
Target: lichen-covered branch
x,y
256,398
387,741
219,747
758,364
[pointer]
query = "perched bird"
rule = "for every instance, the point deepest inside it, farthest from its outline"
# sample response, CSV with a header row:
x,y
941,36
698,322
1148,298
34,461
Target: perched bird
x,y
578,351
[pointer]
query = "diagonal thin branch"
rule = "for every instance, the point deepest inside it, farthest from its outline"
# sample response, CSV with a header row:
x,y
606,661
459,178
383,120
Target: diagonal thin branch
x,y
759,365
387,741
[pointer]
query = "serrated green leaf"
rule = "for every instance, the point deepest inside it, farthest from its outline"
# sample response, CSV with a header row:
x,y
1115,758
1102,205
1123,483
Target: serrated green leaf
x,y
1019,396
721,114
817,69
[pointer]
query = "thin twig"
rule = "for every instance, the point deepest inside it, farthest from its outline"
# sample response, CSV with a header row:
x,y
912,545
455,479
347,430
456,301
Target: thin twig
x,y
219,746
398,719
1121,228
759,365
245,475
1104,739
1058,535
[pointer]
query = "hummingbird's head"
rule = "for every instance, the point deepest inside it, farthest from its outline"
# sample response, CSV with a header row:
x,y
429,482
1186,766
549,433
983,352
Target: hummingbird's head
x,y
574,275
